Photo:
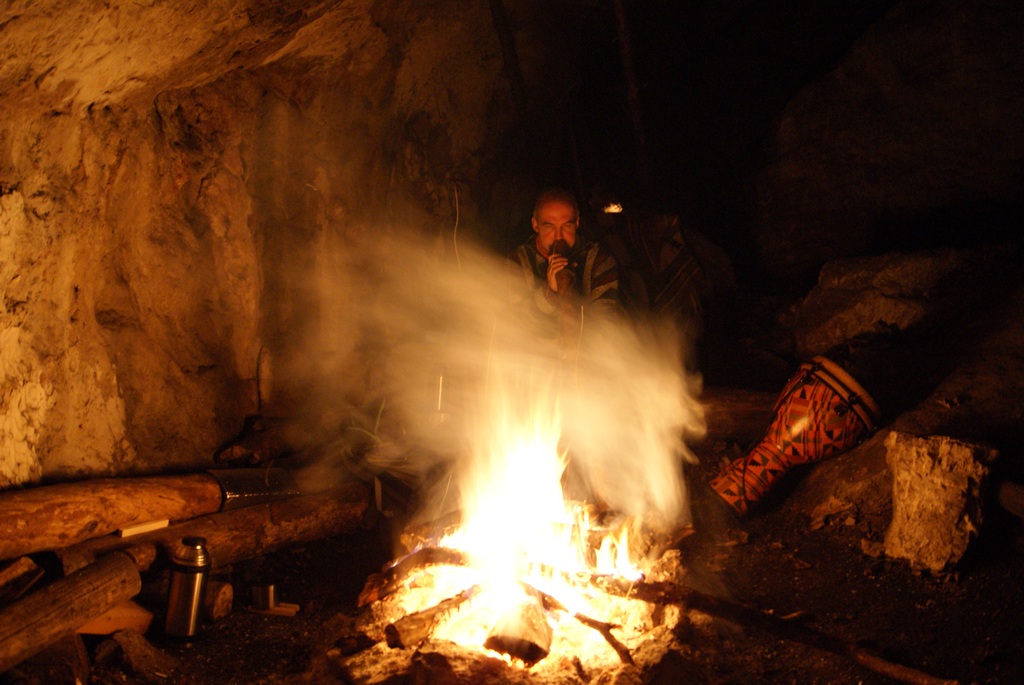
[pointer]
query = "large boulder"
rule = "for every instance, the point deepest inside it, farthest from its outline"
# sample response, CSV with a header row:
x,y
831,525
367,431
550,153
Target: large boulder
x,y
913,136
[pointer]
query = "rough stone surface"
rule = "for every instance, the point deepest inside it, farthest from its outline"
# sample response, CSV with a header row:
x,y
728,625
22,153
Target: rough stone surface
x,y
183,192
937,508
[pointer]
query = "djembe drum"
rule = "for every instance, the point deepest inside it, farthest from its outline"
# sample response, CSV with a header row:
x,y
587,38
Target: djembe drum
x,y
821,412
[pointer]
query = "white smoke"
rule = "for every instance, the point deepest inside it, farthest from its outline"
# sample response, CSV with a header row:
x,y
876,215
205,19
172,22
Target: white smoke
x,y
466,369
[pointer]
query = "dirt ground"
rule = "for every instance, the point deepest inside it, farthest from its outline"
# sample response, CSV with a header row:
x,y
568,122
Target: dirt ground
x,y
965,627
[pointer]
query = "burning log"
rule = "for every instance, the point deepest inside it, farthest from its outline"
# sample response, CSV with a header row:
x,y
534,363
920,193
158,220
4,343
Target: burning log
x,y
381,585
522,632
44,617
412,629
56,516
605,629
672,593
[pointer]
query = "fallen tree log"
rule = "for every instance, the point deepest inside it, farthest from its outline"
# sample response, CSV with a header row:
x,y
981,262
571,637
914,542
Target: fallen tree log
x,y
742,416
233,536
42,618
57,516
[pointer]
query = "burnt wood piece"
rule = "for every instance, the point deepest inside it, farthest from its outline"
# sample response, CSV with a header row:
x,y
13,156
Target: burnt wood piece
x,y
233,536
792,630
523,632
56,610
55,516
429,534
380,585
412,629
147,662
741,416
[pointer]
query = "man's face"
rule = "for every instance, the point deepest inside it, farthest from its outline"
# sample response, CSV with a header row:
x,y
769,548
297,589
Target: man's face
x,y
555,220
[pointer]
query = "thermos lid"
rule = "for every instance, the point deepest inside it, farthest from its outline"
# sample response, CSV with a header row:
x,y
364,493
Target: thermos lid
x,y
192,552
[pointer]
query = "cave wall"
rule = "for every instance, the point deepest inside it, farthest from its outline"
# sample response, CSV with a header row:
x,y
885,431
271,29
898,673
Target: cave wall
x,y
184,189
187,189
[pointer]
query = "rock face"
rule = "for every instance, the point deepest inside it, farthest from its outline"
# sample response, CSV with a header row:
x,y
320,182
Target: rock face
x,y
183,188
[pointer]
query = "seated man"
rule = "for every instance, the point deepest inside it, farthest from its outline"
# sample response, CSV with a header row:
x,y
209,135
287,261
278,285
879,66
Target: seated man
x,y
566,275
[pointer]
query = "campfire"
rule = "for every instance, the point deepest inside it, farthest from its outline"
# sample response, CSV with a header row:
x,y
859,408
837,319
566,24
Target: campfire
x,y
564,488
564,608
521,571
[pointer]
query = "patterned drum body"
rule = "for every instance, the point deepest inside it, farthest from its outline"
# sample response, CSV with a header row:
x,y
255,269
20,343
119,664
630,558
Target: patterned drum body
x,y
821,412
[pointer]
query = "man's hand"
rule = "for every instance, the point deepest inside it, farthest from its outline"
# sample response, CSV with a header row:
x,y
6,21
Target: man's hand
x,y
555,264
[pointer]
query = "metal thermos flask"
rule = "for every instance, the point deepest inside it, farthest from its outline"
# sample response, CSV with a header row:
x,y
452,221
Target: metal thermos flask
x,y
190,567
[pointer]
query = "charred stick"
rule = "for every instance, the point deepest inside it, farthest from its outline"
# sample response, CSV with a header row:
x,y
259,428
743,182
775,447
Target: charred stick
x,y
412,629
671,593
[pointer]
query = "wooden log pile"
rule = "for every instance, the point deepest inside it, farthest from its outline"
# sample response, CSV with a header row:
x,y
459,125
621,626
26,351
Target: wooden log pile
x,y
101,571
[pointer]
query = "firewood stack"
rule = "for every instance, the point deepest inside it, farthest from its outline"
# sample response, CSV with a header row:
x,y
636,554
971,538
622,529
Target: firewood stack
x,y
106,538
